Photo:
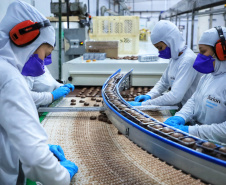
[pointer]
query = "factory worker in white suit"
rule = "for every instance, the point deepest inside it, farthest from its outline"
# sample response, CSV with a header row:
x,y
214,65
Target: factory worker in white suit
x,y
22,138
42,84
179,75
206,109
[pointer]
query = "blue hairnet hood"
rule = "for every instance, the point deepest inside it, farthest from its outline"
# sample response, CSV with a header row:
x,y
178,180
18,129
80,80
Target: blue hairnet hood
x,y
168,33
17,12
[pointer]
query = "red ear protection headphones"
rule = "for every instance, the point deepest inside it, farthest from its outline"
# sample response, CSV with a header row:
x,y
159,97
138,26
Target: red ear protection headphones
x,y
26,32
220,46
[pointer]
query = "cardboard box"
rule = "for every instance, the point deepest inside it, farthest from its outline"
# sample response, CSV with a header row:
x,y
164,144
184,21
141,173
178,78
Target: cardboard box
x,y
108,47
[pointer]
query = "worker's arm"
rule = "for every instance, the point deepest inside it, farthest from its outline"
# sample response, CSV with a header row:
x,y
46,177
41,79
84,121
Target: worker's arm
x,y
56,84
20,121
42,98
187,111
161,86
183,81
215,131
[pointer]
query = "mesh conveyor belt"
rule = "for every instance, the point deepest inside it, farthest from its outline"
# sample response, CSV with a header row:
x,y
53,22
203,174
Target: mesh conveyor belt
x,y
103,156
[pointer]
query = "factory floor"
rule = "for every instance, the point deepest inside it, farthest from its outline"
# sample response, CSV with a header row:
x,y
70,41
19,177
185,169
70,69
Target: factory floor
x,y
101,153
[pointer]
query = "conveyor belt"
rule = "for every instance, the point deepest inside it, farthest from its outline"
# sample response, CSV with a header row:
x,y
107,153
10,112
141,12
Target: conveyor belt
x,y
102,155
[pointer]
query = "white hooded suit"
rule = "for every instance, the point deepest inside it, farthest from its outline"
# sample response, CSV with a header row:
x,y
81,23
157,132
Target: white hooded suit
x,y
207,107
21,135
179,74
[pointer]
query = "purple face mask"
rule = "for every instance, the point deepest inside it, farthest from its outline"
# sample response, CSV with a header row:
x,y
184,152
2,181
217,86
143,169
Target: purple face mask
x,y
204,64
33,67
48,60
166,53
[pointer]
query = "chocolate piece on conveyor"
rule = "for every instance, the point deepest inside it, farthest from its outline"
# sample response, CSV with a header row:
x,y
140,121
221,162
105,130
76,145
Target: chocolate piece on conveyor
x,y
209,145
86,104
141,116
93,117
98,100
121,106
83,96
177,135
100,117
157,126
223,149
96,105
93,98
167,130
109,122
105,119
81,101
188,140
145,120
73,100
72,103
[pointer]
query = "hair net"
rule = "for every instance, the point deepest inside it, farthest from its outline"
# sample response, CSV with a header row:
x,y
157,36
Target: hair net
x,y
18,12
210,37
168,33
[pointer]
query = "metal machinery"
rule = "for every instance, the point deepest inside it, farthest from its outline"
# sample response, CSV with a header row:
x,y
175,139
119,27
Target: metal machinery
x,y
74,21
188,8
79,72
191,157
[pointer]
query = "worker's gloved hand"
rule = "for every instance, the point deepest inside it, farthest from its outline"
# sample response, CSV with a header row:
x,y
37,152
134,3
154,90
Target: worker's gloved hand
x,y
60,92
133,103
57,151
70,166
142,98
180,127
175,120
70,86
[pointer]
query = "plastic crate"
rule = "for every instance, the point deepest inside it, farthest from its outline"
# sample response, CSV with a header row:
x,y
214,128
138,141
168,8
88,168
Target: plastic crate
x,y
124,29
116,25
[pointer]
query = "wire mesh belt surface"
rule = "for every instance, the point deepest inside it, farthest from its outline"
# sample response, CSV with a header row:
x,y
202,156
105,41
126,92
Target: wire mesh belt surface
x,y
102,155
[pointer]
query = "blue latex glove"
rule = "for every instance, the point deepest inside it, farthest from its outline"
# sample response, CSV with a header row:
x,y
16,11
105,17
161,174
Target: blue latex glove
x,y
57,151
70,86
133,103
142,98
175,120
180,127
60,92
70,166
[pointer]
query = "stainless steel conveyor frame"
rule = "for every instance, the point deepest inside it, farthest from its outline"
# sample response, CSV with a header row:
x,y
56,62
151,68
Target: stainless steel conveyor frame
x,y
200,165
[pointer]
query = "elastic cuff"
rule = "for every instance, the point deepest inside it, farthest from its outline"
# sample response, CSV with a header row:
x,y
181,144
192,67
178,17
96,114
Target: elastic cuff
x,y
181,115
49,98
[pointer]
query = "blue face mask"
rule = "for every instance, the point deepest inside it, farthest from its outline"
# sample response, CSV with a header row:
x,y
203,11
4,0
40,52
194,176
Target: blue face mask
x,y
48,60
204,64
166,53
33,67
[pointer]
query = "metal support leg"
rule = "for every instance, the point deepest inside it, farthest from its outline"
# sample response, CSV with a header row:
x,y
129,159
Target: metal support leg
x,y
192,24
211,19
187,29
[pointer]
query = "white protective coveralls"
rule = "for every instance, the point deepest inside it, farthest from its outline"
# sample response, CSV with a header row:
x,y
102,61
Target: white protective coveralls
x,y
41,87
21,135
207,107
179,74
